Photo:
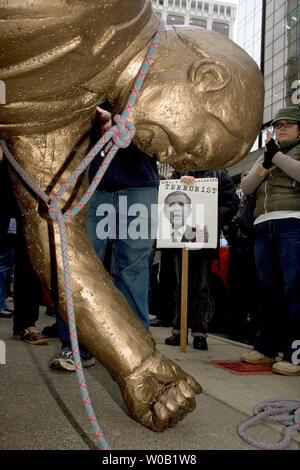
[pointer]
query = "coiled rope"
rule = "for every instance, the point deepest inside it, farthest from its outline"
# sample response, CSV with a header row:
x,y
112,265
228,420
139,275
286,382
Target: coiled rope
x,y
118,136
282,411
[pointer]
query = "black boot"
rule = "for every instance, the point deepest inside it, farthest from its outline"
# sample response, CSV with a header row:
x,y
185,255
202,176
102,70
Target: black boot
x,y
174,340
200,343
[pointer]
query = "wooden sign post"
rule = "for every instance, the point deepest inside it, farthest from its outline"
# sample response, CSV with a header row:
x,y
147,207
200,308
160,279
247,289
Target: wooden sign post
x,y
184,298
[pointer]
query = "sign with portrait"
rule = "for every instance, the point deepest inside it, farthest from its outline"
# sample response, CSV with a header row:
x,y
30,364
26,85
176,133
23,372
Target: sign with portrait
x,y
188,214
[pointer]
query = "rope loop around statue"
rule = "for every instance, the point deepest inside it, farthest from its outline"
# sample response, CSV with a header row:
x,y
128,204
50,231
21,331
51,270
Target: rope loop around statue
x,y
118,136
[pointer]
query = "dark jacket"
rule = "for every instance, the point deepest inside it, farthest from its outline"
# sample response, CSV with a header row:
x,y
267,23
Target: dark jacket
x,y
130,167
228,200
8,206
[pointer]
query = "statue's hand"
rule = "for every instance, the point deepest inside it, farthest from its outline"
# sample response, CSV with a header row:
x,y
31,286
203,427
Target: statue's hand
x,y
159,393
104,118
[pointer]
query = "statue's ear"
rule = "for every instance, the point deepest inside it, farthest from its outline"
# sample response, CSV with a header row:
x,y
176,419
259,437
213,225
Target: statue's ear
x,y
209,75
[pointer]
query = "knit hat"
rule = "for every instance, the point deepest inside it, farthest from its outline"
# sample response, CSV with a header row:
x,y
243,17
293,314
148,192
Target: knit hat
x,y
291,113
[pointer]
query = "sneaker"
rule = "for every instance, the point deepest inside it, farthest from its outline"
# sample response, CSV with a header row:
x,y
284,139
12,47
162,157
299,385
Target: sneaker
x,y
286,368
255,357
65,361
32,336
155,322
6,313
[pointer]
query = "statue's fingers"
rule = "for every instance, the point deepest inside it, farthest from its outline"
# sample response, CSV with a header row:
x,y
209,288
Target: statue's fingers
x,y
188,394
169,402
175,413
180,400
195,386
182,375
160,417
178,396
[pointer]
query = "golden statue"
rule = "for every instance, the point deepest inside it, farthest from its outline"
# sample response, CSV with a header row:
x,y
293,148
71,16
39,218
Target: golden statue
x,y
200,107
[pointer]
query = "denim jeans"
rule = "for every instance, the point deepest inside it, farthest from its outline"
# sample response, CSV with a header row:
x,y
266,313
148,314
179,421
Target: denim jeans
x,y
129,218
277,258
130,256
7,255
64,336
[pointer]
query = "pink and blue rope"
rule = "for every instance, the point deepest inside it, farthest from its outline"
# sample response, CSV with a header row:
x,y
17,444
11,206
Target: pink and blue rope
x,y
118,136
282,411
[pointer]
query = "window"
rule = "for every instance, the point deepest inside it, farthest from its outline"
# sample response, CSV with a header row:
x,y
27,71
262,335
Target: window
x,y
215,9
175,19
222,28
206,7
198,22
193,5
268,67
228,11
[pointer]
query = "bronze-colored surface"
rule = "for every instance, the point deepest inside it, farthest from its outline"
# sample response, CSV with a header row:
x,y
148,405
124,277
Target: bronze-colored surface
x,y
200,107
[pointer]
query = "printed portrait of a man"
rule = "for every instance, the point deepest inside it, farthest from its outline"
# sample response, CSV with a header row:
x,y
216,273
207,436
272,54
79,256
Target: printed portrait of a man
x,y
177,209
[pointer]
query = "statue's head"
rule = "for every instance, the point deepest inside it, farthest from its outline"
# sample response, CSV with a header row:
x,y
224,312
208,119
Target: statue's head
x,y
201,103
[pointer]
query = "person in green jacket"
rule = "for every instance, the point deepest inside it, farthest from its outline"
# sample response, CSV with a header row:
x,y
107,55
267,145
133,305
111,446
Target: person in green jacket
x,y
276,179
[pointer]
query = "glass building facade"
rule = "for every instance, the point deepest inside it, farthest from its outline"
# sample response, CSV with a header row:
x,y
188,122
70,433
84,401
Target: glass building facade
x,y
281,54
215,16
269,31
250,28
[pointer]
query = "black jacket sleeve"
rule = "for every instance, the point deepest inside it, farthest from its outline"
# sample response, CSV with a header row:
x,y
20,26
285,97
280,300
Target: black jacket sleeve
x,y
176,175
228,199
8,206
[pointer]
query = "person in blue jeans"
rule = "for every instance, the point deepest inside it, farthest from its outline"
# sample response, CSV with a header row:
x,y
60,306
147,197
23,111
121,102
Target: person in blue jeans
x,y
6,262
7,240
122,211
276,179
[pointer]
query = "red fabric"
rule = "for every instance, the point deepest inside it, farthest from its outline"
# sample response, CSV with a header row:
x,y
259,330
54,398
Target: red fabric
x,y
243,368
220,266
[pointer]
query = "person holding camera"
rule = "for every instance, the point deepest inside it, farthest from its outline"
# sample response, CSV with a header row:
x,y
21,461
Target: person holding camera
x,y
276,179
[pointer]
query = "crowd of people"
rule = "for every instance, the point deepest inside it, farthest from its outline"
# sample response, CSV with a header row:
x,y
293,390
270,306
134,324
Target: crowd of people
x,y
264,264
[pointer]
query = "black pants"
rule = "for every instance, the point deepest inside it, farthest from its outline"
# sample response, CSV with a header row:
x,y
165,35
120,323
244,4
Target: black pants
x,y
200,302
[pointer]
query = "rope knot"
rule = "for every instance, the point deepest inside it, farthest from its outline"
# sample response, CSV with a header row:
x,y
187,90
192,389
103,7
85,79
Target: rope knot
x,y
54,211
123,132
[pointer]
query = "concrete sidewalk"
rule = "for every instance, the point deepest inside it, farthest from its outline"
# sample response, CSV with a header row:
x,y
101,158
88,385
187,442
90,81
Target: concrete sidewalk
x,y
42,409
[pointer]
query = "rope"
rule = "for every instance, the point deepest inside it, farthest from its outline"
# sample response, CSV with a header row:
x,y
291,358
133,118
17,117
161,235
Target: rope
x,y
118,136
286,412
